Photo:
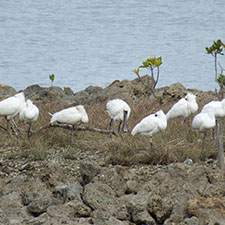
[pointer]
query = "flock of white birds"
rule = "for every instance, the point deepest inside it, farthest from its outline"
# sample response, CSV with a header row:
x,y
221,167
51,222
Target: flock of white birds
x,y
118,110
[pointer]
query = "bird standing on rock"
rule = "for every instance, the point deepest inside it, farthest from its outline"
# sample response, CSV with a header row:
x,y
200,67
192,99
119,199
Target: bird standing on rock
x,y
183,108
11,106
151,124
72,116
118,110
29,114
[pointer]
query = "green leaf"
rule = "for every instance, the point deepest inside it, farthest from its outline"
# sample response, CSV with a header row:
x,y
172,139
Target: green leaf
x,y
216,48
158,62
221,79
146,63
52,77
136,71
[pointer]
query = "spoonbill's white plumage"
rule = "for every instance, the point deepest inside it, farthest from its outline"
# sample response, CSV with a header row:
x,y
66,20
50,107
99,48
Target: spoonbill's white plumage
x,y
217,107
184,107
11,106
202,122
72,116
118,110
29,114
151,124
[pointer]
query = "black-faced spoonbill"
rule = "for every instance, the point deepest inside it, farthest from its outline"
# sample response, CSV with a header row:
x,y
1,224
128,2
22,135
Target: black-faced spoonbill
x,y
217,107
202,122
118,110
151,124
11,106
73,116
29,114
183,108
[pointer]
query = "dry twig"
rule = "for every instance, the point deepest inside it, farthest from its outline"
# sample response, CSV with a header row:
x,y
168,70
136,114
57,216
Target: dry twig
x,y
70,127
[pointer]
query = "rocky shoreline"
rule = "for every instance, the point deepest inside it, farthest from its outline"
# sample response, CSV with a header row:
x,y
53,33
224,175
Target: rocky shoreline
x,y
88,190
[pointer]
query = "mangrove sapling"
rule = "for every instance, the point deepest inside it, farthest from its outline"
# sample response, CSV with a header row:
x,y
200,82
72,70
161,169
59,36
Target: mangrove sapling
x,y
52,78
150,64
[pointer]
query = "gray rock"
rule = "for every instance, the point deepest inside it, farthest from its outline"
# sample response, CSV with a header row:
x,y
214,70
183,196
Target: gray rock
x,y
11,209
68,91
171,93
40,205
131,179
101,197
6,91
80,209
88,170
68,192
111,178
137,206
72,209
28,197
160,207
35,92
104,218
190,221
57,220
54,93
88,94
207,210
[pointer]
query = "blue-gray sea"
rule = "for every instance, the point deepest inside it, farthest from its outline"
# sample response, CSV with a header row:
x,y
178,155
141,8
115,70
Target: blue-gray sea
x,y
84,42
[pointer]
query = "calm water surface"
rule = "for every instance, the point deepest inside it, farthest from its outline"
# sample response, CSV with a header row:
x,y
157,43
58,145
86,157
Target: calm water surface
x,y
95,42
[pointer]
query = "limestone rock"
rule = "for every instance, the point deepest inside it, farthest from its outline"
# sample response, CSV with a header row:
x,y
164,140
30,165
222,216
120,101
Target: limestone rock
x,y
40,205
6,91
101,197
137,206
88,170
111,178
68,192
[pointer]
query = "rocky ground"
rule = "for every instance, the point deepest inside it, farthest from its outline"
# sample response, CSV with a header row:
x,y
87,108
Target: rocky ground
x,y
88,190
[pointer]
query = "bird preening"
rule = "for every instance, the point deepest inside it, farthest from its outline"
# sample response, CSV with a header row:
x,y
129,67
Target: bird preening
x,y
29,114
14,105
183,108
71,116
206,119
10,107
151,124
119,111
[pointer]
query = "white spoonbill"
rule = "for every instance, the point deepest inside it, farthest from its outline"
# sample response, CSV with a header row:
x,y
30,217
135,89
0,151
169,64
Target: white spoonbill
x,y
183,108
72,116
29,114
151,124
217,107
118,110
11,106
202,122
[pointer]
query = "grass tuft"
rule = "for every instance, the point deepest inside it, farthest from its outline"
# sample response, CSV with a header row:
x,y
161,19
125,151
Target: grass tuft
x,y
175,144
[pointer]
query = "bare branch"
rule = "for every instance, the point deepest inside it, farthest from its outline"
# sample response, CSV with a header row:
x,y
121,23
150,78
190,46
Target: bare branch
x,y
215,62
157,78
222,69
3,128
70,127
